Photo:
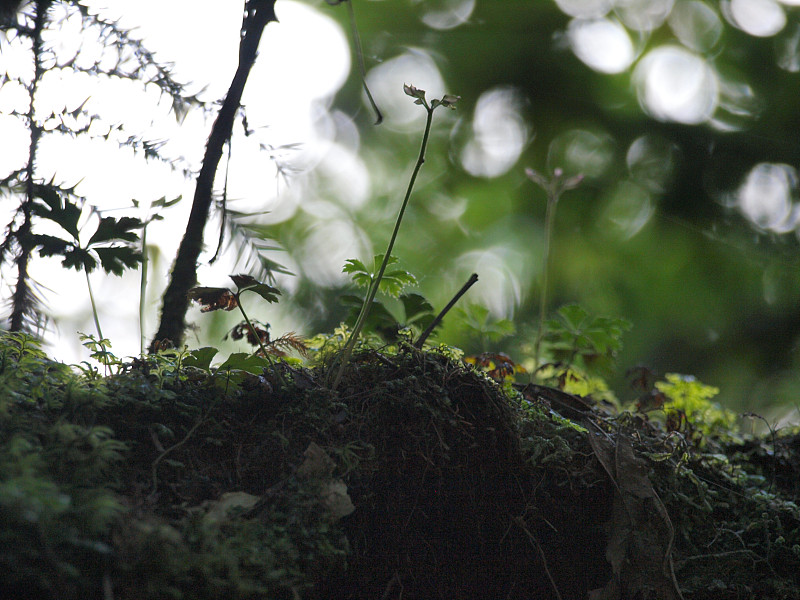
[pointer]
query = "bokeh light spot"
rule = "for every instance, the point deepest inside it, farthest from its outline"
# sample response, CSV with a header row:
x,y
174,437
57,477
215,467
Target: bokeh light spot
x,y
326,248
760,18
788,50
585,9
627,208
414,67
579,151
601,44
643,15
447,14
651,160
498,135
499,287
766,196
696,25
674,84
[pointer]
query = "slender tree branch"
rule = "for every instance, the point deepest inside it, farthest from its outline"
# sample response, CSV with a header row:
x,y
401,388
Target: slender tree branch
x,y
258,13
473,279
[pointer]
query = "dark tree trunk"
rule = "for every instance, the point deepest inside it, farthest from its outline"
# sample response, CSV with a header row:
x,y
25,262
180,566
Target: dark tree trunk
x,y
23,300
258,13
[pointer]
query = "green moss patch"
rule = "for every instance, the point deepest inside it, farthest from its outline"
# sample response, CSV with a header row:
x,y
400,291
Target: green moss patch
x,y
418,478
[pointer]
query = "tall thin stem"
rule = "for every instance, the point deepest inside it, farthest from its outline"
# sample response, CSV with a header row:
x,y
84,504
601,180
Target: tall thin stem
x,y
143,291
360,57
94,307
549,220
373,288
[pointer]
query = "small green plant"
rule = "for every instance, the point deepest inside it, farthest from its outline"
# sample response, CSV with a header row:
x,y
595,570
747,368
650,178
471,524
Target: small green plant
x,y
383,318
576,338
219,298
479,324
100,350
686,395
554,187
447,101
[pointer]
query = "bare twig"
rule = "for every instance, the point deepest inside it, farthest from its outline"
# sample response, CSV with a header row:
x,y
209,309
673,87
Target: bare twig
x,y
470,282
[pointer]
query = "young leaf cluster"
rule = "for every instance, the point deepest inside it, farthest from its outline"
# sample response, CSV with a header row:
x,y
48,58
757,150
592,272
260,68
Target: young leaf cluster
x,y
576,337
691,397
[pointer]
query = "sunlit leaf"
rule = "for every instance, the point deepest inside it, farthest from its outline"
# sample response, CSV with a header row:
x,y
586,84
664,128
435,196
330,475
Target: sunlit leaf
x,y
242,361
201,358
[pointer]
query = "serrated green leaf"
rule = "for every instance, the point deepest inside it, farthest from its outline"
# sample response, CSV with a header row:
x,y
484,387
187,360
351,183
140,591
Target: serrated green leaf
x,y
393,283
574,315
63,212
353,265
201,358
416,306
111,229
50,245
115,259
241,361
78,258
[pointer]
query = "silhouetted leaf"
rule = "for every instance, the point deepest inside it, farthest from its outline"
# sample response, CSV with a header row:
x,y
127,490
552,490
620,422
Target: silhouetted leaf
x,y
78,258
110,229
65,213
115,259
247,283
50,245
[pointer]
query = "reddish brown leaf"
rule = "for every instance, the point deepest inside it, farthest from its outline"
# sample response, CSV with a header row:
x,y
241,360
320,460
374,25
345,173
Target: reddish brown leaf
x,y
212,298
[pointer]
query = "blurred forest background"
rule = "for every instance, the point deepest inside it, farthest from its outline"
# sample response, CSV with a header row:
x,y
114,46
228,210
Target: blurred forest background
x,y
682,115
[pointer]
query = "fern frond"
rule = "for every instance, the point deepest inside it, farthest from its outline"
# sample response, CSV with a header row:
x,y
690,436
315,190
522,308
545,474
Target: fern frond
x,y
288,341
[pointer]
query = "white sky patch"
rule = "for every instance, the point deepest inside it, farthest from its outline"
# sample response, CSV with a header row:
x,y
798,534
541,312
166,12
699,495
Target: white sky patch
x,y
674,84
602,44
303,61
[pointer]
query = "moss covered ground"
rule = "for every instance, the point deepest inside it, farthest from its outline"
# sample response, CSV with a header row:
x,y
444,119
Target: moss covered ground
x,y
417,478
